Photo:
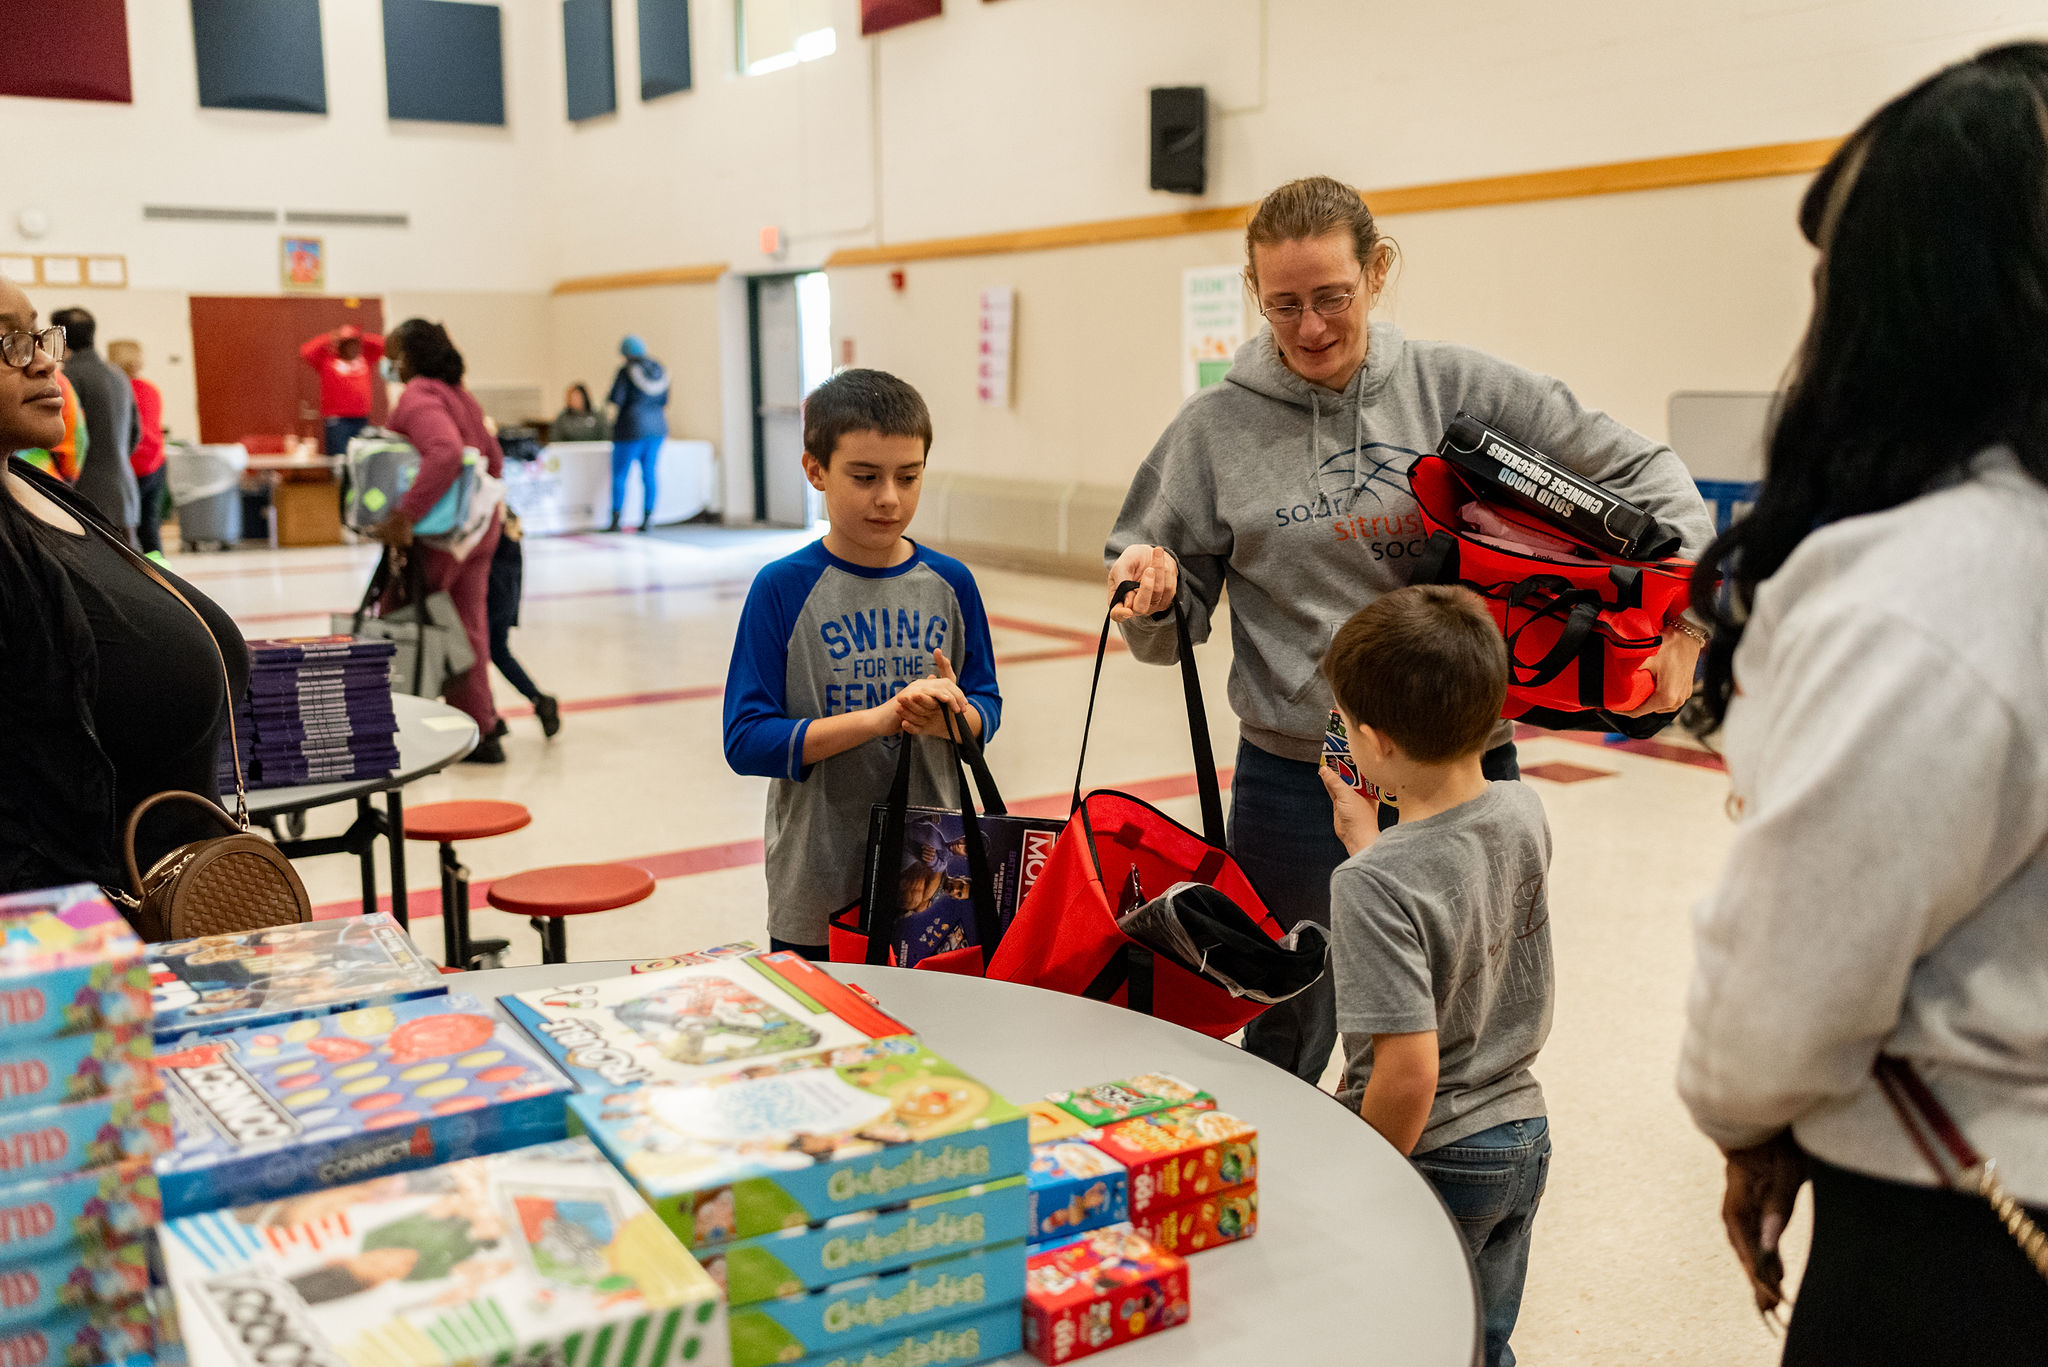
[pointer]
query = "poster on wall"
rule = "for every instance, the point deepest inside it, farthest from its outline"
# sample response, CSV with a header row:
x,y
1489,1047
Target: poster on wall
x,y
1212,324
305,265
877,15
998,336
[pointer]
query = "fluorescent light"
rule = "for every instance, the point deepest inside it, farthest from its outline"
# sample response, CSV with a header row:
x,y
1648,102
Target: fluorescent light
x,y
819,42
776,63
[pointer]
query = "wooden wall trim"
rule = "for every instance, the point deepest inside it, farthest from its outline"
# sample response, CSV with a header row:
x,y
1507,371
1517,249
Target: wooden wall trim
x,y
1611,178
633,280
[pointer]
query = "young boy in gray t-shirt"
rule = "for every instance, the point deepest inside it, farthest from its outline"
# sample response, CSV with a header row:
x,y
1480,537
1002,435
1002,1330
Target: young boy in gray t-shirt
x,y
1441,926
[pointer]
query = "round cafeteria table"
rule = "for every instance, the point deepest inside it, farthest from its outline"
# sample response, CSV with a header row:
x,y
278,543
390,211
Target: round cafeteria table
x,y
1355,1261
431,736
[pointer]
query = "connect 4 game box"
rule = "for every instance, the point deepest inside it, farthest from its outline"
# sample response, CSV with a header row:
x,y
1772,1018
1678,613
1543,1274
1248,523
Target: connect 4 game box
x,y
69,966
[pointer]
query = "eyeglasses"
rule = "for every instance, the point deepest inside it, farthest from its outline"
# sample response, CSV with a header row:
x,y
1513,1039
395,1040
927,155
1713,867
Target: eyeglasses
x,y
18,349
1327,305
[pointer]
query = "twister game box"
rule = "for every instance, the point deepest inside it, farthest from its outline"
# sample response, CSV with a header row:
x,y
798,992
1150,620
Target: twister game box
x,y
268,1112
69,965
826,1323
271,977
541,1255
696,1021
1102,1289
71,1136
932,884
867,1126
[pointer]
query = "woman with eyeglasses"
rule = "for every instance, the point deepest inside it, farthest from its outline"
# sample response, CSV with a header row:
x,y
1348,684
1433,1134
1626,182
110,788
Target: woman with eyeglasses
x,y
111,689
1288,482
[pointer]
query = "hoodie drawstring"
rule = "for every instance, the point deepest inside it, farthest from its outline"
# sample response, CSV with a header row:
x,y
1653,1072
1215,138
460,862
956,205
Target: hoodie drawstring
x,y
1315,448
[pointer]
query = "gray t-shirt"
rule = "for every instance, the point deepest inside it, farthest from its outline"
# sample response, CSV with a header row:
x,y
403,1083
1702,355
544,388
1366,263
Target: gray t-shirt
x,y
1444,924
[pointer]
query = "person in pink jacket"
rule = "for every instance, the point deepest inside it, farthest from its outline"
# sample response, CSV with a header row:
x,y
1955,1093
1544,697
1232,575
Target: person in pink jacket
x,y
441,418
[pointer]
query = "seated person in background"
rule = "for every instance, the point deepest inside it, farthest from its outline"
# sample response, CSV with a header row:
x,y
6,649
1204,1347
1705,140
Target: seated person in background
x,y
843,655
1441,926
578,421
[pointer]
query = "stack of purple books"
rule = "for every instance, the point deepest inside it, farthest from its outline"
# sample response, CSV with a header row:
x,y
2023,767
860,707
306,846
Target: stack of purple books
x,y
318,710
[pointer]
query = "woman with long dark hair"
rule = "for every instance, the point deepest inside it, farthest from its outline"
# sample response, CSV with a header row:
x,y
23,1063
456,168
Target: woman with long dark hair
x,y
1871,987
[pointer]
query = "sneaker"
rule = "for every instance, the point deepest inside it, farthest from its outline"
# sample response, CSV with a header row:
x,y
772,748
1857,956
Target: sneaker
x,y
488,751
549,710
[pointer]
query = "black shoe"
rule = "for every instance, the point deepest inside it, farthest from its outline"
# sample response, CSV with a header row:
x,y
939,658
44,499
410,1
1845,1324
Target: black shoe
x,y
549,710
646,527
501,730
488,751
612,525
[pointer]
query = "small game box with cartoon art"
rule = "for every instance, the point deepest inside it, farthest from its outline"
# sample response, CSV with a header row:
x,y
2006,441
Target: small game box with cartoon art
x,y
1222,1217
537,1255
828,1322
870,1125
1178,1155
1338,760
71,1136
696,1021
1105,1288
1074,1187
69,965
1108,1102
81,1211
84,1337
790,1262
264,1112
932,885
108,1062
67,1279
272,977
737,949
978,1337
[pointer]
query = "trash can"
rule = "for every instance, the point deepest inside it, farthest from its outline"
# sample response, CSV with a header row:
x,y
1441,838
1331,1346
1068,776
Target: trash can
x,y
206,489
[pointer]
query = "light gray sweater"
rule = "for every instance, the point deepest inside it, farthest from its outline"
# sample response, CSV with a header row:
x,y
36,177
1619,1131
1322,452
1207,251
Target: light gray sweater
x,y
1888,884
1298,499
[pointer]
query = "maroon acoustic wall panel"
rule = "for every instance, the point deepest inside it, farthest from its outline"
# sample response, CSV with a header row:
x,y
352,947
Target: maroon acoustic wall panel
x,y
876,15
67,50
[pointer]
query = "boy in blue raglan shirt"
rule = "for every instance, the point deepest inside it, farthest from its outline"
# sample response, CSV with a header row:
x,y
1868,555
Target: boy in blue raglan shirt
x,y
849,649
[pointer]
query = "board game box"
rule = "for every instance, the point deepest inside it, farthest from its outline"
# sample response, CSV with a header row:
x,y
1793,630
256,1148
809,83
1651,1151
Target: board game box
x,y
120,1058
71,1136
955,1343
1178,1155
542,1255
1221,1218
267,1112
1338,760
696,1021
1050,1122
825,1323
270,977
792,1261
83,1338
79,1211
1105,1288
1075,1186
867,1126
72,1278
69,965
1108,1102
931,882
738,949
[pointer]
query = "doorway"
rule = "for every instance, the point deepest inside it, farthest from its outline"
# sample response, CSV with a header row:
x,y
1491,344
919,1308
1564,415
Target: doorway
x,y
789,318
246,366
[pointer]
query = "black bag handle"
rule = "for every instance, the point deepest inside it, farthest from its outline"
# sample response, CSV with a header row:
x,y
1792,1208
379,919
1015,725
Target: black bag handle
x,y
1579,607
1198,716
1131,963
415,578
886,914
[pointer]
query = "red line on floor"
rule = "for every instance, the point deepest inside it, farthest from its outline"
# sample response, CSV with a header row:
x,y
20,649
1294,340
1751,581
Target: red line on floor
x,y
338,567
1649,749
625,700
1058,633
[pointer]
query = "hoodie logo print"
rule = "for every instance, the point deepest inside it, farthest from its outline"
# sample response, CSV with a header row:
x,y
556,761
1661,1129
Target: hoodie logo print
x,y
1345,478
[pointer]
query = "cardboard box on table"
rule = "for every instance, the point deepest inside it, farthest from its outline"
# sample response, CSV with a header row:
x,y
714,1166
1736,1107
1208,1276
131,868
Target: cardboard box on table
x,y
829,1323
538,1255
952,1343
1220,1218
271,1112
57,1283
1108,1102
71,1136
1050,1122
108,1062
84,1338
69,966
1075,1186
1178,1155
88,1211
1106,1287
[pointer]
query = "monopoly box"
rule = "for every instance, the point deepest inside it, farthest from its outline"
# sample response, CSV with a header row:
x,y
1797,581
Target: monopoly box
x,y
696,1021
1105,1288
1074,1187
1148,1093
1220,1218
954,1343
268,1112
539,1255
83,1338
71,1136
792,1261
79,1212
69,965
120,1058
931,880
825,1323
870,1125
272,977
1178,1155
67,1279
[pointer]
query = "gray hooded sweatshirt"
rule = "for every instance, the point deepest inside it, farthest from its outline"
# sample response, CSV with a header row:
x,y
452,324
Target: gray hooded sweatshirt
x,y
1297,498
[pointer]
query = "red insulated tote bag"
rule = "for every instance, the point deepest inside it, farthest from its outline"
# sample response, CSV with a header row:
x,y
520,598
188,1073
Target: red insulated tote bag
x,y
1065,936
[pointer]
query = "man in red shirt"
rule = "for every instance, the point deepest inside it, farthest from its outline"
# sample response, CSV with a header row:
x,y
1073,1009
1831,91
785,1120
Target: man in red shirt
x,y
147,459
347,362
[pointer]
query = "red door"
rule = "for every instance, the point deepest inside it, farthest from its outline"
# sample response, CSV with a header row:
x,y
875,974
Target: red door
x,y
246,366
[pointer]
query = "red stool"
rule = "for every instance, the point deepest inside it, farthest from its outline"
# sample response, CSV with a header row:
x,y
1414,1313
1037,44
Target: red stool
x,y
545,896
445,823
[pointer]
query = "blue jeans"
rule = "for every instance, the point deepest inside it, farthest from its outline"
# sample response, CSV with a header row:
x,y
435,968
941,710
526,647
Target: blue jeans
x,y
1280,835
1492,1182
644,452
341,431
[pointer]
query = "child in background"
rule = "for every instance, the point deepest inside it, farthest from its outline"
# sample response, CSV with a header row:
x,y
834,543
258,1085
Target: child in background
x,y
502,592
849,649
1441,926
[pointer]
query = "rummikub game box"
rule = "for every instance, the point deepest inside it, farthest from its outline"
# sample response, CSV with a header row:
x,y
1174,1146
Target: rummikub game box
x,y
270,977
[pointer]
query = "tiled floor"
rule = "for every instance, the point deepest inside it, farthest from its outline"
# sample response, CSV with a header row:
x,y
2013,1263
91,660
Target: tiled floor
x,y
633,634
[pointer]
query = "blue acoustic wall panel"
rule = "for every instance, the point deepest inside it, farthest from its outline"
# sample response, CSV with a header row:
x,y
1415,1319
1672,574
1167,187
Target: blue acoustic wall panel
x,y
259,54
587,58
664,47
444,62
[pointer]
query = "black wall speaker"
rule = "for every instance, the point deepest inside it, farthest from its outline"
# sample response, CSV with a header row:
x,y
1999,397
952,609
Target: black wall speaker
x,y
1180,139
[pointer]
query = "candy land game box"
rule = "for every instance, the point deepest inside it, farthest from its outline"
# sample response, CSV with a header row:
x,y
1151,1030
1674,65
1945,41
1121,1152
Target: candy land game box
x,y
541,1255
84,1337
69,965
81,1212
118,1059
931,882
695,1021
71,1136
870,1125
1105,1288
1178,1155
269,1112
270,977
72,1278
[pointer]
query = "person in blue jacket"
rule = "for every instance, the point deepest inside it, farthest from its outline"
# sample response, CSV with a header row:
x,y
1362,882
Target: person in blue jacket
x,y
640,395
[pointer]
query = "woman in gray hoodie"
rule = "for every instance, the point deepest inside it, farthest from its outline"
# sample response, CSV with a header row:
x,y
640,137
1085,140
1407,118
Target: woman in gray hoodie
x,y
1288,483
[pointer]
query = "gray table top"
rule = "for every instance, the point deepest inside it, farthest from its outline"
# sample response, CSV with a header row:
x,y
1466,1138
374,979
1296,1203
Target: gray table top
x,y
1355,1260
431,736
